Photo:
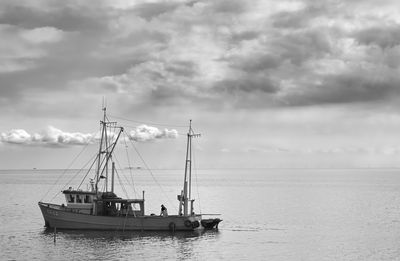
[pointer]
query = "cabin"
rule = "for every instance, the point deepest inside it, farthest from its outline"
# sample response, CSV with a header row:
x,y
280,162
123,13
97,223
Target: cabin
x,y
119,207
80,201
105,204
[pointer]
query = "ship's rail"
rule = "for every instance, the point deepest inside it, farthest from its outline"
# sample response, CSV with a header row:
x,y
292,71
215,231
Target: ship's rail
x,y
63,208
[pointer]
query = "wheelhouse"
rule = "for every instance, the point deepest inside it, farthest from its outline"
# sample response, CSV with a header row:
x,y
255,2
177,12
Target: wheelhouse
x,y
119,207
81,201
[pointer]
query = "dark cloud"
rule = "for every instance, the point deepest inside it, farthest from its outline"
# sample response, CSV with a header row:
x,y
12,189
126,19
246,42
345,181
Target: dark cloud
x,y
182,68
245,35
290,20
385,36
62,15
301,46
230,6
174,52
293,20
350,87
247,84
149,11
303,17
255,62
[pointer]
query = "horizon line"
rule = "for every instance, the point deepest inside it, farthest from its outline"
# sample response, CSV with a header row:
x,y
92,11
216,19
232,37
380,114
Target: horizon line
x,y
215,168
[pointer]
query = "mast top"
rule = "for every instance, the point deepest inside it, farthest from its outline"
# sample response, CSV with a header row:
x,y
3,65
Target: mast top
x,y
104,105
191,132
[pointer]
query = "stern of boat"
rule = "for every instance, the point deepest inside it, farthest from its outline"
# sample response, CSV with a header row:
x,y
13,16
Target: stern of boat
x,y
210,223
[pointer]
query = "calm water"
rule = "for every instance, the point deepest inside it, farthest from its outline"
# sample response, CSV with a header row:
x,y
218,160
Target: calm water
x,y
268,215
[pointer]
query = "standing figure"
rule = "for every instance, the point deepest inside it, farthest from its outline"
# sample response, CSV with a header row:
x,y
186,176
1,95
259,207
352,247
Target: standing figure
x,y
164,211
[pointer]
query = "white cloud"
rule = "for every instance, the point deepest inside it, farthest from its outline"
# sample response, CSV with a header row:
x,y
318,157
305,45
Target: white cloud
x,y
17,136
56,137
148,133
50,136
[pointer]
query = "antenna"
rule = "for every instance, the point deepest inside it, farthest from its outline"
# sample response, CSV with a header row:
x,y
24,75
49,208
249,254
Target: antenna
x,y
104,103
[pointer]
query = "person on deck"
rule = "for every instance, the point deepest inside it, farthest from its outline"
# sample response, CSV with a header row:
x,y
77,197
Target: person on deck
x,y
164,211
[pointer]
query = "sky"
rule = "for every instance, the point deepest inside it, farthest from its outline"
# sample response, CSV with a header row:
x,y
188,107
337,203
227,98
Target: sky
x,y
268,84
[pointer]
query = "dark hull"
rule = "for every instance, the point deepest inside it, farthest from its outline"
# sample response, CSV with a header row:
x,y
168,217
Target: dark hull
x,y
62,218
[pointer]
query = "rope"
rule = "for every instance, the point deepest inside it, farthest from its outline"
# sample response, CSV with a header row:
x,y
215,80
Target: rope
x,y
151,173
65,171
150,123
129,163
197,183
134,127
126,179
122,184
87,173
69,181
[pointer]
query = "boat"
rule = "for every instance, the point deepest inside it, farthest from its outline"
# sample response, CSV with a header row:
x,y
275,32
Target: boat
x,y
93,209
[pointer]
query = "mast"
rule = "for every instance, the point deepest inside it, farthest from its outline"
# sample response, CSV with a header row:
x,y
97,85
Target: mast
x,y
185,196
103,130
112,177
107,149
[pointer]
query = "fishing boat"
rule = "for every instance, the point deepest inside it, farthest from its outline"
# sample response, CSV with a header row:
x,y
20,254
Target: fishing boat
x,y
93,209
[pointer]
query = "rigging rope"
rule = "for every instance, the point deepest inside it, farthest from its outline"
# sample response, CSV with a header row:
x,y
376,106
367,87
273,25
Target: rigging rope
x,y
79,171
129,163
65,171
122,184
195,174
151,173
94,161
134,127
151,123
126,179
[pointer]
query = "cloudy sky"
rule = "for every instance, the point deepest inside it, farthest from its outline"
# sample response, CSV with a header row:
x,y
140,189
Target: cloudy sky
x,y
267,83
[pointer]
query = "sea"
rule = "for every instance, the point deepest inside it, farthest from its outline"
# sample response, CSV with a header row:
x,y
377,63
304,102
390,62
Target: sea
x,y
268,214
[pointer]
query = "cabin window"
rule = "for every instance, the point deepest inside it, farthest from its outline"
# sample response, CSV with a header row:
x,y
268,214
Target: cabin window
x,y
78,199
71,199
124,208
88,199
136,206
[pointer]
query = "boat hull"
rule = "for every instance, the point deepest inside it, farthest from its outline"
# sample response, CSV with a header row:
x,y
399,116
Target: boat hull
x,y
56,216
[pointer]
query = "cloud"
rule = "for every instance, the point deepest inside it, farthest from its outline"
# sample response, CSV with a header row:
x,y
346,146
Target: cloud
x,y
17,136
212,54
49,137
76,16
42,35
56,137
152,10
144,133
384,36
359,86
22,49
